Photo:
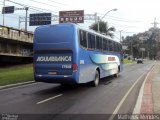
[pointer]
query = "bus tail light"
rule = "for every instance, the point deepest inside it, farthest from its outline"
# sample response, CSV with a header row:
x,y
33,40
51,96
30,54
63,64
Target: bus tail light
x,y
75,67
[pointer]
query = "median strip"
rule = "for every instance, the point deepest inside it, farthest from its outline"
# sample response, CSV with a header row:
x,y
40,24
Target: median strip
x,y
49,99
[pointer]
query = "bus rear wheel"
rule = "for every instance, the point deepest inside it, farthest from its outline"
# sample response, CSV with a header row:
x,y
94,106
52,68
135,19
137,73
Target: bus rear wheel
x,y
96,80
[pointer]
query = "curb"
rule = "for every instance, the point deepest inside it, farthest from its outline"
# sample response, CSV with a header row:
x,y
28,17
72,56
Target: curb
x,y
140,107
15,85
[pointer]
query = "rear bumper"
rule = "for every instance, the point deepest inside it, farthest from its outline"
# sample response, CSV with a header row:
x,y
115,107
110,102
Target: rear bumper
x,y
56,78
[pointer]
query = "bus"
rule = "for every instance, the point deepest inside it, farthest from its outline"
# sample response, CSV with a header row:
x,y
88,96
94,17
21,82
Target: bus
x,y
68,54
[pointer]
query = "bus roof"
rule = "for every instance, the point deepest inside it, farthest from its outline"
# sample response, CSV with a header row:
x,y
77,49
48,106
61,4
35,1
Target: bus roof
x,y
96,33
85,29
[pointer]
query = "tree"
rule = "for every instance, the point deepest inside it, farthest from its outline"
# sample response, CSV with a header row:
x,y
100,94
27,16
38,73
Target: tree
x,y
151,44
134,45
103,28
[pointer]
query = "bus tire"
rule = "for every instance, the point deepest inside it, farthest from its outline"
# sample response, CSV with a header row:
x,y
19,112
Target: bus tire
x,y
116,75
96,80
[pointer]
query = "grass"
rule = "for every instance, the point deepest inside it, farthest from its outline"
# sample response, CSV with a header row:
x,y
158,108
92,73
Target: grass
x,y
23,73
16,74
126,61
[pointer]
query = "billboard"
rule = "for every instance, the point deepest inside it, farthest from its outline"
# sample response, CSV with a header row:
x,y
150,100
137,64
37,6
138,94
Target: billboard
x,y
39,19
8,10
74,16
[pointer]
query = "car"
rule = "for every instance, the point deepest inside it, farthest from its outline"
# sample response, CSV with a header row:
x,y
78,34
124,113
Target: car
x,y
139,61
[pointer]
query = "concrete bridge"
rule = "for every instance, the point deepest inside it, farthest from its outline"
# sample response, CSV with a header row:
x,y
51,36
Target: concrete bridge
x,y
15,45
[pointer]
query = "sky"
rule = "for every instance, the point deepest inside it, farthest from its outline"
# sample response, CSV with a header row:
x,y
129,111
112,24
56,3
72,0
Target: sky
x,y
132,16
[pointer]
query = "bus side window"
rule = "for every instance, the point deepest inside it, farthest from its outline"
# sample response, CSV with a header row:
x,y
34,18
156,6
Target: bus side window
x,y
83,39
110,46
98,43
116,47
105,44
91,41
119,47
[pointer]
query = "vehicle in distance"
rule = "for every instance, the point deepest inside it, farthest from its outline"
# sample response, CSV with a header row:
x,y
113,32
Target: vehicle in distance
x,y
140,61
66,53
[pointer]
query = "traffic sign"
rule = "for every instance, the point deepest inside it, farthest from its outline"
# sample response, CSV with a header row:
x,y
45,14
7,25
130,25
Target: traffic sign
x,y
76,16
8,10
39,19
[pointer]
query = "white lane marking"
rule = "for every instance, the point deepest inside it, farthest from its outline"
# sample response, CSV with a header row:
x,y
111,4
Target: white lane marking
x,y
139,99
123,99
16,84
49,99
4,89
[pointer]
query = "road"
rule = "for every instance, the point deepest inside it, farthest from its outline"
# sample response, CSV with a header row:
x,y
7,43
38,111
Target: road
x,y
113,95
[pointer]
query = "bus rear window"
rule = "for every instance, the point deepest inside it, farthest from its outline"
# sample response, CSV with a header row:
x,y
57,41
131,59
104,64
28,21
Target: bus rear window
x,y
54,34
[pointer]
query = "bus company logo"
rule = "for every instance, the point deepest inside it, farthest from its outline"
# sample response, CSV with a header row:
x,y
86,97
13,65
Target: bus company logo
x,y
54,59
111,59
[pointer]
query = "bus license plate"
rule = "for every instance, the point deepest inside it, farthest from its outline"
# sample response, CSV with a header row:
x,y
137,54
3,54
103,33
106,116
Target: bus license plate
x,y
52,73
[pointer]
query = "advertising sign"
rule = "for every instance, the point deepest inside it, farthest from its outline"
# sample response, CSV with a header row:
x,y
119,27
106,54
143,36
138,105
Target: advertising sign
x,y
76,16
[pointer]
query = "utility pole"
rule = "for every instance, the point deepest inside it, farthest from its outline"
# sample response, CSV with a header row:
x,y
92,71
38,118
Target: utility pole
x,y
3,14
95,17
120,35
98,23
131,49
26,8
19,24
155,23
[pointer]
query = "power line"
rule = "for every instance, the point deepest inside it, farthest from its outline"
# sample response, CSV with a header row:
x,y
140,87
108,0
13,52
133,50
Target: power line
x,y
56,2
31,7
126,26
23,5
126,32
120,19
116,37
10,16
42,3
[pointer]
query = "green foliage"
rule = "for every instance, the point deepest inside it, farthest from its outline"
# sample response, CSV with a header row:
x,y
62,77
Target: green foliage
x,y
151,44
103,28
126,61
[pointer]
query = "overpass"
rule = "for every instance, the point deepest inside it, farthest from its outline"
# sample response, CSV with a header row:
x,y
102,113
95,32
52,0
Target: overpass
x,y
16,46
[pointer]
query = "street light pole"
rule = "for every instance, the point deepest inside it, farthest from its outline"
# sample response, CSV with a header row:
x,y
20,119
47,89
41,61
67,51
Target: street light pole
x,y
104,16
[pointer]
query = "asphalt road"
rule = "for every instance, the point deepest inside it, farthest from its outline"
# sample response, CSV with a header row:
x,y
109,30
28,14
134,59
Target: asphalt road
x,y
108,98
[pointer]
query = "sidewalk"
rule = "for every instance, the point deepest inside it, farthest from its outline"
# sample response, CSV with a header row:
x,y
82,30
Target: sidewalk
x,y
151,92
156,89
